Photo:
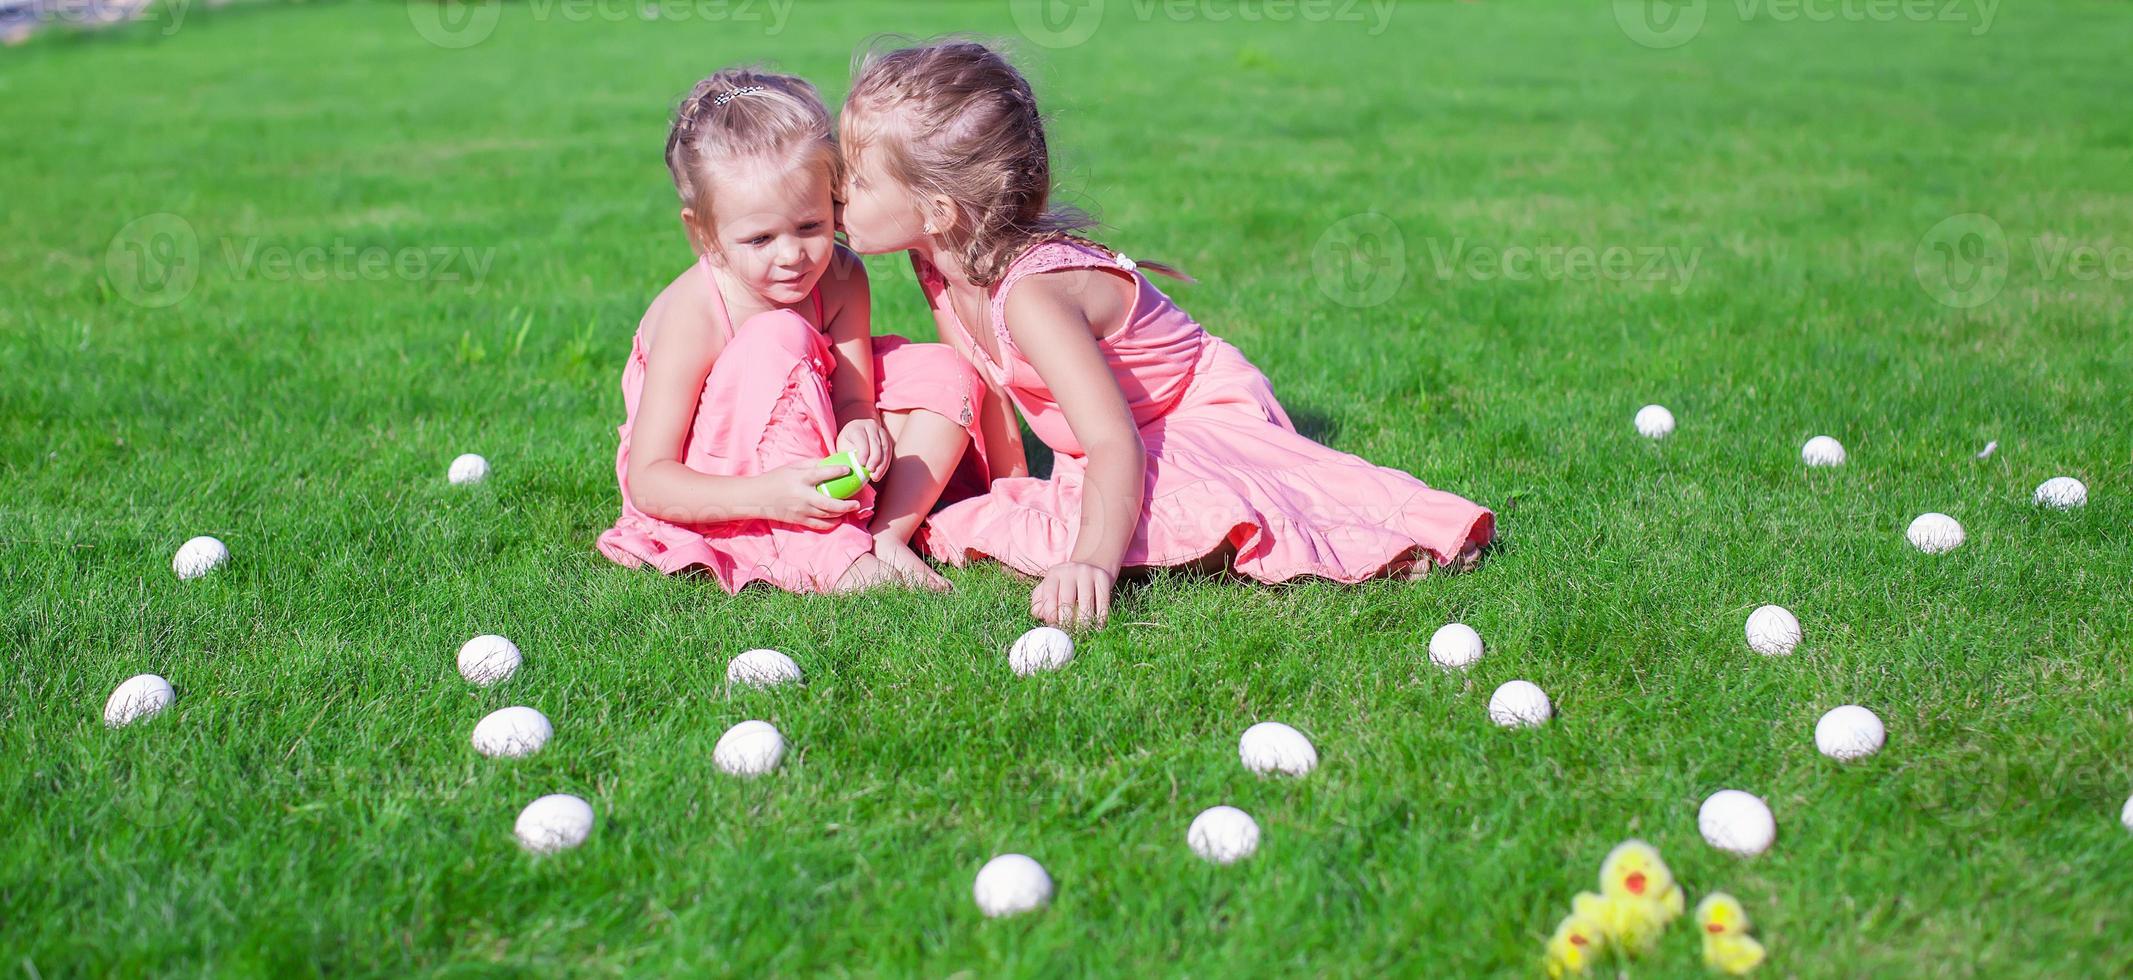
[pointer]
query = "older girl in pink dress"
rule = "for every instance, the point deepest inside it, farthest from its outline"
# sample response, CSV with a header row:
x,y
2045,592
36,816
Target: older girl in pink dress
x,y
1170,448
756,363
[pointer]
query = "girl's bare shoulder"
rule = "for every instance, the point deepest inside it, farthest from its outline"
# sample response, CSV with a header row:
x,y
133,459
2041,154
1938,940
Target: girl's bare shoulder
x,y
681,313
1095,296
844,280
683,317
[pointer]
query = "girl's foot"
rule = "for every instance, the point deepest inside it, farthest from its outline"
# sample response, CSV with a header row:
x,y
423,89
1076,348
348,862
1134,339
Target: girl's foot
x,y
867,572
1421,566
1468,558
898,557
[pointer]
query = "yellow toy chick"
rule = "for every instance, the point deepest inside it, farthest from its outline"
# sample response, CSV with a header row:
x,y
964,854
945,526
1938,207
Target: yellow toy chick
x,y
1577,942
1638,896
1727,947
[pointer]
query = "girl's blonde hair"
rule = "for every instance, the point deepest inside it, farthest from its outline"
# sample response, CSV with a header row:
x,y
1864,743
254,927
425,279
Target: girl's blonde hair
x,y
748,113
954,118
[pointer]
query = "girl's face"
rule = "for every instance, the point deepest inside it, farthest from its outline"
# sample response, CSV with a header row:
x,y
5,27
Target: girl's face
x,y
880,214
774,229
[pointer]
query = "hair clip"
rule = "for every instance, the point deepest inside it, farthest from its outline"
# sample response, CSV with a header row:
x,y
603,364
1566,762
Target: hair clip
x,y
728,96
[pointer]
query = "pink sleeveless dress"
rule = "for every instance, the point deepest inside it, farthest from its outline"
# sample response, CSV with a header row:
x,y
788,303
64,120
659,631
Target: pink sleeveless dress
x,y
767,403
1224,463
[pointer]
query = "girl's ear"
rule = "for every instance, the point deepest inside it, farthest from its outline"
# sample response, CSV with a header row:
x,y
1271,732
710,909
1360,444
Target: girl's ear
x,y
941,215
698,240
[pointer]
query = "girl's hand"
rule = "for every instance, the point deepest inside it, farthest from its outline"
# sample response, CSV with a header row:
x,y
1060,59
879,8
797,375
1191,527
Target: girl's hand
x,y
788,495
1073,593
868,443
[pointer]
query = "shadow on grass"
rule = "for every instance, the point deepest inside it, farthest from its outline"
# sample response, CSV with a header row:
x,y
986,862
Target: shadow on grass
x,y
1315,425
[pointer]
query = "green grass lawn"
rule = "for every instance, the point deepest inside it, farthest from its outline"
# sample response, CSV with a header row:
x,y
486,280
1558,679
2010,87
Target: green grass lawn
x,y
311,803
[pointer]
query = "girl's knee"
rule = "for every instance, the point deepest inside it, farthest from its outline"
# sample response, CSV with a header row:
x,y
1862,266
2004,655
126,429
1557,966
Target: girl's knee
x,y
781,330
932,376
938,363
897,419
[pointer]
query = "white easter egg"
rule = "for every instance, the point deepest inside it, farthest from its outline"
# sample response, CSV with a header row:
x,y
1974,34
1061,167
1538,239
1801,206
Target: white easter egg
x,y
1041,649
1935,533
557,822
510,733
488,660
1223,834
1773,631
1011,884
1655,422
1455,646
1272,747
1736,822
468,468
1519,704
1849,732
199,556
137,697
2062,493
1822,451
762,668
750,748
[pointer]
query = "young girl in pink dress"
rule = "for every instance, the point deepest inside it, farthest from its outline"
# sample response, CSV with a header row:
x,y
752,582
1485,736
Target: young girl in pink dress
x,y
756,363
1169,447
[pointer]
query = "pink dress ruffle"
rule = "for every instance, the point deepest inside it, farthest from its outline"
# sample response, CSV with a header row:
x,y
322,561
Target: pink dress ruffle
x,y
1224,463
767,403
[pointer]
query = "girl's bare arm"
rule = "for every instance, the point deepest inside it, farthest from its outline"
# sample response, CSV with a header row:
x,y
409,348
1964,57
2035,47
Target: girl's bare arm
x,y
1049,316
849,306
683,348
997,421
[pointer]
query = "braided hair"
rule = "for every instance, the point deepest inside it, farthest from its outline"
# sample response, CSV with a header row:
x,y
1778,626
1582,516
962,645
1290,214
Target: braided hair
x,y
965,127
747,113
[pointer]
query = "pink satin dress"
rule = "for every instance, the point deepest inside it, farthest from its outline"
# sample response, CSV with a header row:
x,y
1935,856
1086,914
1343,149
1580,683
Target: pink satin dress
x,y
1225,466
767,403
